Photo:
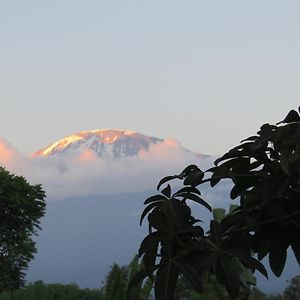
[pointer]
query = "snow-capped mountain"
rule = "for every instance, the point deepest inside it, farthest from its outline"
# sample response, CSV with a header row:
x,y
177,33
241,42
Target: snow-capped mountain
x,y
105,142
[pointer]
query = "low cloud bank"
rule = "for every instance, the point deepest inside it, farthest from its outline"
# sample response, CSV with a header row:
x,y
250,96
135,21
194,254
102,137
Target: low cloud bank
x,y
87,174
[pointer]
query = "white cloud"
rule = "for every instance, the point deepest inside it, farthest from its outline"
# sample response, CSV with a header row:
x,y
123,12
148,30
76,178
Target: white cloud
x,y
88,174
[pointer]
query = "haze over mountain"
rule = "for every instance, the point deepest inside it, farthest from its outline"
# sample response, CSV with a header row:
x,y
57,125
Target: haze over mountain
x,y
100,162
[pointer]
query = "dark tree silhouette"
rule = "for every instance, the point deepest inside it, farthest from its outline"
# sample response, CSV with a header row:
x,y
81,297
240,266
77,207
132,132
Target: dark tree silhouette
x,y
265,172
21,207
292,292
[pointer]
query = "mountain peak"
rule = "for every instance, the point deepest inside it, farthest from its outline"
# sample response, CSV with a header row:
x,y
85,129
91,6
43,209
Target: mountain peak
x,y
104,142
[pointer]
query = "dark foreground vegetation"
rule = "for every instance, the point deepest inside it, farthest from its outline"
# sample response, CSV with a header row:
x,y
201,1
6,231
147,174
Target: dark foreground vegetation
x,y
21,207
265,174
114,289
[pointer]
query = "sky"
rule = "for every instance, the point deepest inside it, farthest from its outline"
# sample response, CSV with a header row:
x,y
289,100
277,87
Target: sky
x,y
205,73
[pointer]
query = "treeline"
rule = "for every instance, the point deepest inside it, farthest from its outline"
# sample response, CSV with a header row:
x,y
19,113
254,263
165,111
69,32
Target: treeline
x,y
117,281
41,291
113,288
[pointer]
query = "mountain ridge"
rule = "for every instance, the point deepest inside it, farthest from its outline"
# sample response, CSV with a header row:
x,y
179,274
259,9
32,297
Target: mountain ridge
x,y
111,142
115,143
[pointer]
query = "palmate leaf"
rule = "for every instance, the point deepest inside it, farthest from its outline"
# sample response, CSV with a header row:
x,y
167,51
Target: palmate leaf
x,y
205,260
177,213
150,242
203,245
190,273
158,221
191,231
250,262
265,171
227,275
232,220
166,280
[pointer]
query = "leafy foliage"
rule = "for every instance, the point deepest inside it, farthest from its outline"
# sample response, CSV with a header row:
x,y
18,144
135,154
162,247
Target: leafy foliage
x,y
265,172
118,278
21,207
41,291
292,292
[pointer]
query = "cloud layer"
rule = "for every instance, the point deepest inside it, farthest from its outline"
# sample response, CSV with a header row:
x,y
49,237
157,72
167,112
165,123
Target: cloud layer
x,y
88,174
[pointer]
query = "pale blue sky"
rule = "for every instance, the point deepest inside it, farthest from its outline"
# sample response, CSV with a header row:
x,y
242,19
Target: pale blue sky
x,y
206,73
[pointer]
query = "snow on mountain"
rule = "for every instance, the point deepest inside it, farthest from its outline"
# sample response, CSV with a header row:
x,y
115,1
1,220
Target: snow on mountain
x,y
109,161
106,142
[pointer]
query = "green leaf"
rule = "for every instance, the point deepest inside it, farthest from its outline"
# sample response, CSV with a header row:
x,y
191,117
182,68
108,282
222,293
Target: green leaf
x,y
250,138
155,198
236,191
291,117
250,262
219,172
188,170
296,248
219,214
202,245
187,189
216,232
194,178
227,275
138,278
177,212
158,221
150,242
149,259
235,152
204,260
190,273
166,179
199,200
277,256
166,280
167,191
147,209
146,289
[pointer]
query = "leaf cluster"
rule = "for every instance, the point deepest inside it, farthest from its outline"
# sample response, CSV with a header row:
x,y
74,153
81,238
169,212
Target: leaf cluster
x,y
265,173
21,207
